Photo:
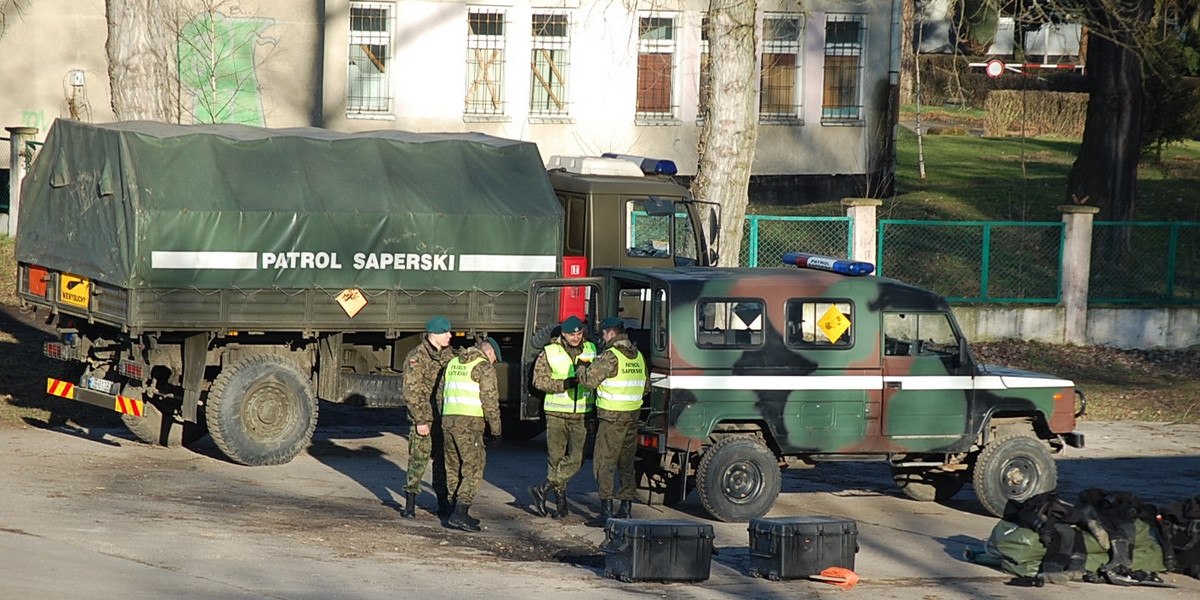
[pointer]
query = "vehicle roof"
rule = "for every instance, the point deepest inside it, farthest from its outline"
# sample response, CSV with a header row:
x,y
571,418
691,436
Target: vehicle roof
x,y
610,184
766,282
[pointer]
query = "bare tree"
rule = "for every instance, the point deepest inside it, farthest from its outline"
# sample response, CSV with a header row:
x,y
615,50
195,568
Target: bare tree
x,y
9,9
217,63
730,131
138,60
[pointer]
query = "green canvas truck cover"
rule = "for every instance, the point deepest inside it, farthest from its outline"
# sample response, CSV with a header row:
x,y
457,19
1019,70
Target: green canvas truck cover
x,y
154,205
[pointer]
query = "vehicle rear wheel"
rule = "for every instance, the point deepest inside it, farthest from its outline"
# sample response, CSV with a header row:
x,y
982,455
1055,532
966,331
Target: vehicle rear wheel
x,y
928,485
1015,467
262,410
155,428
520,430
738,479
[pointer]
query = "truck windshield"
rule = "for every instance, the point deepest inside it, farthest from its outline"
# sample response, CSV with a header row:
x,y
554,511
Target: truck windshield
x,y
655,233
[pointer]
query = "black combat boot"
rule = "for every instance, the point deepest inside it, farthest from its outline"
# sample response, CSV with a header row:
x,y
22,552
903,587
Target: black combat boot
x,y
410,505
445,507
606,508
462,520
560,504
538,493
623,509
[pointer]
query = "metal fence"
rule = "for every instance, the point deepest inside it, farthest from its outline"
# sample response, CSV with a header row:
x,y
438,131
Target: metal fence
x,y
1146,262
975,261
766,238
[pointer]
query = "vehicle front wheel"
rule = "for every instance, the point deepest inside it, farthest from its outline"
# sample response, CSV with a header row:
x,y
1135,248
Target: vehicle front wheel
x,y
1015,467
738,479
262,410
928,485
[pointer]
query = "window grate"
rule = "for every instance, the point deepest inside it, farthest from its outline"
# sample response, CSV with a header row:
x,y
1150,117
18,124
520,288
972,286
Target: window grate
x,y
485,62
842,97
551,58
368,85
779,82
656,68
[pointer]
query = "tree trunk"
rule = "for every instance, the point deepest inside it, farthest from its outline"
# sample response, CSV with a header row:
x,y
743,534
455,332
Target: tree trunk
x,y
139,55
730,132
908,55
1105,171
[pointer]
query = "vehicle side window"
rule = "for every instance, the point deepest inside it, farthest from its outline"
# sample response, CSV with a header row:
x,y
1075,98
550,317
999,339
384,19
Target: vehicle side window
x,y
729,323
918,334
820,323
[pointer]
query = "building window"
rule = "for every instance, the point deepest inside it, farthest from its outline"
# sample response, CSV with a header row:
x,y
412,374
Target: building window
x,y
485,62
367,80
705,73
551,54
779,93
842,97
656,68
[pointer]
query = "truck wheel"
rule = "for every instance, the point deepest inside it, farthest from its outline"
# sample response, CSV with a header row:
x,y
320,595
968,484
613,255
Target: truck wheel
x,y
1016,467
262,410
926,485
153,428
738,479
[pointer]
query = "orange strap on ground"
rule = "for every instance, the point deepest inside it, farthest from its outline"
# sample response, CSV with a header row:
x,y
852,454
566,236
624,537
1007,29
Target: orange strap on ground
x,y
841,577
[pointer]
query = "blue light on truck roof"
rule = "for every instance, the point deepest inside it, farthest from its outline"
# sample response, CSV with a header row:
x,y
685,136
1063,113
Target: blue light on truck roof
x,y
828,263
649,166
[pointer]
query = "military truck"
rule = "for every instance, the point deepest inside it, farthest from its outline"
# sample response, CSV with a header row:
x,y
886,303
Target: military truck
x,y
223,278
757,369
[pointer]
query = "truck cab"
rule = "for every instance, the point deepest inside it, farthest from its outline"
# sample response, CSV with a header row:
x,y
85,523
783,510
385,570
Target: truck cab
x,y
626,211
752,369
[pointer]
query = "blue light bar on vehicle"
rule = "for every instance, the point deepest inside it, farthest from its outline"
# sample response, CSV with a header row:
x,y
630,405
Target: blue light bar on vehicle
x,y
649,166
828,263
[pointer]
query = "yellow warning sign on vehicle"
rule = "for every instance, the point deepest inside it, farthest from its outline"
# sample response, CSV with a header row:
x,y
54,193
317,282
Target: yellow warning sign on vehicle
x,y
74,290
834,323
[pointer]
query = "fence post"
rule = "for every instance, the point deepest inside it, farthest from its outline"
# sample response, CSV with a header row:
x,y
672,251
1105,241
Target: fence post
x,y
17,154
1076,269
861,212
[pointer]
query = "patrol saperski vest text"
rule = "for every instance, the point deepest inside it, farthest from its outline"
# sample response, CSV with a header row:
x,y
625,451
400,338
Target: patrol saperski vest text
x,y
460,393
623,391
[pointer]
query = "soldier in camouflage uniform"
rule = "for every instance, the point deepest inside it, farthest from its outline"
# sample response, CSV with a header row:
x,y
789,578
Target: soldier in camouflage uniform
x,y
567,405
422,378
620,379
470,397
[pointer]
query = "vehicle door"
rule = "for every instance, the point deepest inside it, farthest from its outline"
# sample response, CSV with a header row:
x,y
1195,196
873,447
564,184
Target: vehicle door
x,y
550,302
927,386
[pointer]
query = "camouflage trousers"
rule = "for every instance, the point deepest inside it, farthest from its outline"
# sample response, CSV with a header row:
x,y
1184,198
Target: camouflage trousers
x,y
465,461
423,449
616,439
565,439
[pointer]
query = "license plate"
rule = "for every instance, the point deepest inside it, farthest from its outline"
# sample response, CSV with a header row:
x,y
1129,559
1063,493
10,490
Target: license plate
x,y
101,385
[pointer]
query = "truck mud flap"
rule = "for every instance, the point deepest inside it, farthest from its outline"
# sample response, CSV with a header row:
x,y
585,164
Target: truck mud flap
x,y
70,391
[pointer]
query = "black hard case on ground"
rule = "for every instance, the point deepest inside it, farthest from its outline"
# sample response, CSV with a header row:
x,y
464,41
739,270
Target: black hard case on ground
x,y
657,550
794,547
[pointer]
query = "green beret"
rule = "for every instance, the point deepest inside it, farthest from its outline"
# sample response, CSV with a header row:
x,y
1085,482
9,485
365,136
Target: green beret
x,y
571,325
437,325
495,346
611,322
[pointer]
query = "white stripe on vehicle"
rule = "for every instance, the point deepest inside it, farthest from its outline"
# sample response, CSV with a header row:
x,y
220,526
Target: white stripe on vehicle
x,y
508,263
852,382
161,259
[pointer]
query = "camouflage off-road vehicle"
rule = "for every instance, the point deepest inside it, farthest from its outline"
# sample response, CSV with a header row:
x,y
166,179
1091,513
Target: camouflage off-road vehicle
x,y
754,369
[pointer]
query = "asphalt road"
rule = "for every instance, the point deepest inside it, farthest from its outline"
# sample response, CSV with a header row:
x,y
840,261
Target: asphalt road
x,y
94,514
